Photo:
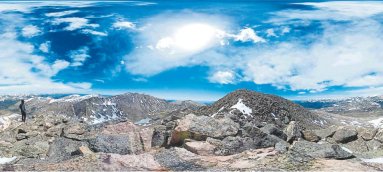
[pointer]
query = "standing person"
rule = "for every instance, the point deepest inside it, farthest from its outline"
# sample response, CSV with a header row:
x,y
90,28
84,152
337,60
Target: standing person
x,y
23,113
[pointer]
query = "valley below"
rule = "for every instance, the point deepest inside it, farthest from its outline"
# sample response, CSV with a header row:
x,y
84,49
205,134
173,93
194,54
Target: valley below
x,y
244,130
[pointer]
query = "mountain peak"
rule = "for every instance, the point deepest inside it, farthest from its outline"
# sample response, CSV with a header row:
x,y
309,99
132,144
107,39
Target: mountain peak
x,y
250,105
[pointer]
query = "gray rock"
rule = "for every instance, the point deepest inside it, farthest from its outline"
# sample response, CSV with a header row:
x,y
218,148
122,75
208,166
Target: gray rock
x,y
367,133
31,148
311,150
379,136
273,130
232,145
200,147
310,136
357,146
345,135
63,149
293,131
282,147
326,132
75,131
172,160
160,136
120,144
201,127
374,145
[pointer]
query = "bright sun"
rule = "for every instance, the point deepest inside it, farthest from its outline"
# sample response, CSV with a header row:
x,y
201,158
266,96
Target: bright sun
x,y
195,36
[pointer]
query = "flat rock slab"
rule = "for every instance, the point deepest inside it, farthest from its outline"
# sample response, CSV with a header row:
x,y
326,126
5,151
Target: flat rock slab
x,y
200,147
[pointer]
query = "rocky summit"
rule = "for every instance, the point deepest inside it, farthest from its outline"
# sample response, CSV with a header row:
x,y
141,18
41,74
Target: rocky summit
x,y
244,130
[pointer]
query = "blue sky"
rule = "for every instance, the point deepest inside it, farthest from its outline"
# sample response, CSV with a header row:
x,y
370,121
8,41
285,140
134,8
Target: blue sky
x,y
197,50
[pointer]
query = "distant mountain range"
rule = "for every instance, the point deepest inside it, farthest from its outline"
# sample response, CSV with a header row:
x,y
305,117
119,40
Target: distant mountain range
x,y
354,104
95,109
142,109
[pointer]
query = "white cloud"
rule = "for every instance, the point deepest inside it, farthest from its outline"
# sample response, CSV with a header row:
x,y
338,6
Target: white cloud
x,y
59,65
223,77
333,10
74,23
124,25
79,56
22,72
61,13
349,8
346,54
285,30
27,6
81,85
270,33
93,32
45,47
30,31
248,34
179,41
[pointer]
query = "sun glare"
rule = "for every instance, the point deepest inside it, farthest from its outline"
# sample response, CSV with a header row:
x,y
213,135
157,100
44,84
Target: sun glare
x,y
194,37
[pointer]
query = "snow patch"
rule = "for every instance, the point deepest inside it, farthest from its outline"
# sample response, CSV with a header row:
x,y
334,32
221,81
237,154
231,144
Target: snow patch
x,y
5,160
374,160
377,123
242,107
143,122
222,108
347,150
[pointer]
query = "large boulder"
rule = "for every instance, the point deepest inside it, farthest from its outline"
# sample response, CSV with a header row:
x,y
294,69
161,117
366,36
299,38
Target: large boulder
x,y
160,136
282,147
293,131
357,146
137,135
236,144
273,130
379,136
310,136
201,127
326,132
63,149
75,131
367,134
30,148
345,135
200,147
118,143
314,150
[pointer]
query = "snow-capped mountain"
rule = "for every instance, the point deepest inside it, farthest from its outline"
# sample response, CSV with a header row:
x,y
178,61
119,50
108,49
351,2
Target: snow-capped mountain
x,y
94,109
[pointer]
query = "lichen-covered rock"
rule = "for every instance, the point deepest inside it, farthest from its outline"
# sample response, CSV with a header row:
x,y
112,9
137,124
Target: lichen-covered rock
x,y
310,136
326,132
160,136
314,150
201,127
374,145
273,130
293,131
75,131
63,149
379,136
357,146
282,146
200,147
367,133
118,143
345,135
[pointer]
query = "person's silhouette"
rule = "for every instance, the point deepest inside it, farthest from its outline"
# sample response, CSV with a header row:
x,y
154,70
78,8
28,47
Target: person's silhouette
x,y
23,113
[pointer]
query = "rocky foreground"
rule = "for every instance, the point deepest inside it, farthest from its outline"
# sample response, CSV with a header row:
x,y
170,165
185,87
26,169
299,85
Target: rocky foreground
x,y
243,131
